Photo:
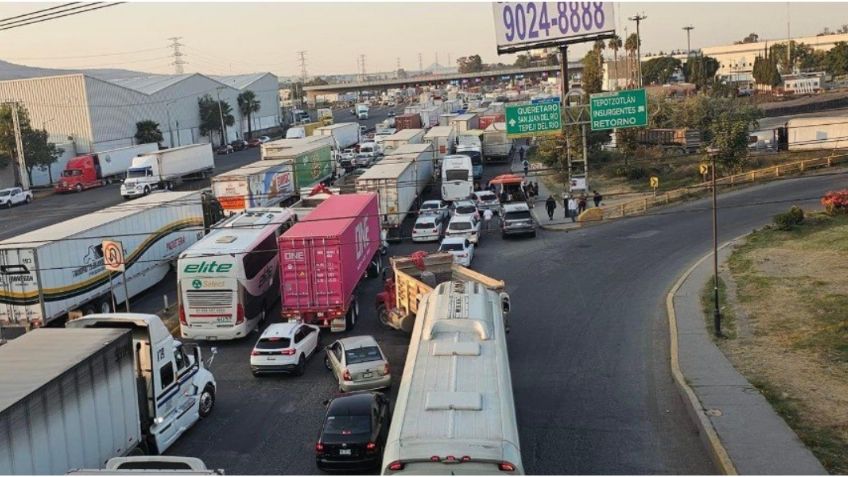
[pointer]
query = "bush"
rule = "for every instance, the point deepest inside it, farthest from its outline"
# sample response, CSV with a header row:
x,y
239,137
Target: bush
x,y
788,220
836,202
631,173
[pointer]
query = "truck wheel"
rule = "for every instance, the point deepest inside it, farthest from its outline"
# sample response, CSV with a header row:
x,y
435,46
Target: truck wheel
x,y
207,401
146,190
383,315
89,310
105,306
78,188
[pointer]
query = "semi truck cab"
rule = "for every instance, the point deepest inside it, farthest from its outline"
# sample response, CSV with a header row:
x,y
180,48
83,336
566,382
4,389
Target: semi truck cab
x,y
80,173
139,181
175,387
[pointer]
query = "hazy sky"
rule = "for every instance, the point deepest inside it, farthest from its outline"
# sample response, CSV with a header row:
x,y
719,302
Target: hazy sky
x,y
223,38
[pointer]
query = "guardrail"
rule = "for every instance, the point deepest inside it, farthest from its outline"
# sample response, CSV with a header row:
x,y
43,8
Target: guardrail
x,y
641,205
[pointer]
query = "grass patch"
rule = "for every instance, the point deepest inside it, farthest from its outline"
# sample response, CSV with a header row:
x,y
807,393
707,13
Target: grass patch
x,y
728,318
793,286
825,443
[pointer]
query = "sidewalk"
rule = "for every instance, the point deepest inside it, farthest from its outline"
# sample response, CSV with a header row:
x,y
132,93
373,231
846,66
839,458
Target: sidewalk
x,y
743,432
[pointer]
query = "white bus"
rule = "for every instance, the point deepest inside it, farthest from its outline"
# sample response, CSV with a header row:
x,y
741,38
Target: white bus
x,y
457,177
454,412
226,281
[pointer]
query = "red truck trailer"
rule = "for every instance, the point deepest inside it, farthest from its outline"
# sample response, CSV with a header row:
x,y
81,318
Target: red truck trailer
x,y
324,257
408,121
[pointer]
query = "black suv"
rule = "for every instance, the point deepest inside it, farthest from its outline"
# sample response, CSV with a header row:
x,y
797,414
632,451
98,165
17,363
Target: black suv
x,y
354,433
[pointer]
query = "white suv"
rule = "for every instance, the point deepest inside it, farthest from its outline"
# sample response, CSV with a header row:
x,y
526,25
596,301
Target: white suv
x,y
284,347
13,196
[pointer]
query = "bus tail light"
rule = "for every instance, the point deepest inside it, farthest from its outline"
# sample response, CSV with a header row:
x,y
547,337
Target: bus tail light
x,y
239,314
182,315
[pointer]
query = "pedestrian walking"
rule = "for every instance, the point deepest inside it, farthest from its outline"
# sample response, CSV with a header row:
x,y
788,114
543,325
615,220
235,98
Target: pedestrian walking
x,y
487,217
565,198
526,166
550,205
581,204
572,209
597,198
521,153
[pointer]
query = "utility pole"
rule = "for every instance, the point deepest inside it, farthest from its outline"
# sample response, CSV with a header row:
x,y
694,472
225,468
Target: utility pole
x,y
563,76
716,310
221,113
420,64
362,66
19,147
688,44
301,58
178,62
638,19
788,39
170,129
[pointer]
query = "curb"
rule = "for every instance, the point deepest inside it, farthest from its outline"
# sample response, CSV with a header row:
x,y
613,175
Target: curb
x,y
708,434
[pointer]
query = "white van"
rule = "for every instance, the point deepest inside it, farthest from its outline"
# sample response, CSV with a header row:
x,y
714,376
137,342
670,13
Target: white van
x,y
226,281
457,177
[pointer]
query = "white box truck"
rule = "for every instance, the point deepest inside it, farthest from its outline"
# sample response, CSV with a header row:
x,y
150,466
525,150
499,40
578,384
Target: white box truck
x,y
423,151
817,133
443,139
344,135
464,122
399,182
497,147
429,116
49,272
404,136
167,168
362,111
103,387
260,184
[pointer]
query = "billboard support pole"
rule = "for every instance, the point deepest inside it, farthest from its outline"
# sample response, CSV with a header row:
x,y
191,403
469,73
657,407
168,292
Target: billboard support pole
x,y
563,76
126,293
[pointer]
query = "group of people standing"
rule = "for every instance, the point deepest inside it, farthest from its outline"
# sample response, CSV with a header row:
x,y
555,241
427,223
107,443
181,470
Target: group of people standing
x,y
572,205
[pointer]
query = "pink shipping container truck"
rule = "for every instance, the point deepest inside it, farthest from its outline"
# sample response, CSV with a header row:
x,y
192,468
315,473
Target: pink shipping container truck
x,y
324,257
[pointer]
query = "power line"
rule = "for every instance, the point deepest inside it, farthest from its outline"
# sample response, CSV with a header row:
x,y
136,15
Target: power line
x,y
178,62
33,16
38,11
62,15
121,53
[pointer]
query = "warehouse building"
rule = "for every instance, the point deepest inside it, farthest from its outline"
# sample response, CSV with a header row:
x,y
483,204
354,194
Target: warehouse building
x,y
266,88
92,115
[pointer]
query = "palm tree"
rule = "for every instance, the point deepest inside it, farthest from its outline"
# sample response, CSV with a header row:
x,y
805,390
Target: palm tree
x,y
614,45
147,131
248,104
598,47
631,45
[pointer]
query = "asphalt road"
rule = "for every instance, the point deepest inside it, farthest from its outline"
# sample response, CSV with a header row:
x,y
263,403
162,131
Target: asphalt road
x,y
588,349
58,207
375,115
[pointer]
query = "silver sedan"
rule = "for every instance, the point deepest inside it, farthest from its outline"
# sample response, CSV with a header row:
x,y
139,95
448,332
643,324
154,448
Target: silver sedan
x,y
358,364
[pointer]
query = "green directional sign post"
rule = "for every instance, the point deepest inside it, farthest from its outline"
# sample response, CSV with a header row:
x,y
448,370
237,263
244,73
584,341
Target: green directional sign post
x,y
619,109
533,120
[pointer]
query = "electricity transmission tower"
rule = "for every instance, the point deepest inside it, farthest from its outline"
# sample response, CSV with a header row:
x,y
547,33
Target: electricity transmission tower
x,y
178,62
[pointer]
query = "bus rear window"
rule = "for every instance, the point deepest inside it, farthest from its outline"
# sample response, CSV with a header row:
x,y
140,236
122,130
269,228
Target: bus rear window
x,y
456,175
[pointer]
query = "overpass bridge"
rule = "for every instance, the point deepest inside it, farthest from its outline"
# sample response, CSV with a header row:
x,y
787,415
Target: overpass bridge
x,y
484,77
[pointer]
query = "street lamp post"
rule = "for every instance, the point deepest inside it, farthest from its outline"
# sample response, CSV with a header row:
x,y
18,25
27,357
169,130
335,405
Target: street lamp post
x,y
713,152
170,129
221,113
688,43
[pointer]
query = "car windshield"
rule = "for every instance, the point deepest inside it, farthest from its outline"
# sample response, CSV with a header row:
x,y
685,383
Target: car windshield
x,y
4,193
486,197
466,209
363,355
346,425
460,226
430,205
451,246
425,225
274,342
518,215
71,173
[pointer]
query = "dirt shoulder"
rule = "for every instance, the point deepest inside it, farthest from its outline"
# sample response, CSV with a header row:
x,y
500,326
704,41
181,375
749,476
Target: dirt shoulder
x,y
789,304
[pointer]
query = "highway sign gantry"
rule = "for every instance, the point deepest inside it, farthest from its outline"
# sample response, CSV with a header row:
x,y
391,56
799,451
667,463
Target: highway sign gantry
x,y
533,120
619,109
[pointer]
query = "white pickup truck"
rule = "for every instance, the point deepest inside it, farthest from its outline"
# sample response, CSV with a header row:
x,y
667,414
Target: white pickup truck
x,y
13,196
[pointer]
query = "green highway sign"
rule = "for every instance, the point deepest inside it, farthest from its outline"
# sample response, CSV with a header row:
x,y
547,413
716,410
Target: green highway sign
x,y
533,120
619,109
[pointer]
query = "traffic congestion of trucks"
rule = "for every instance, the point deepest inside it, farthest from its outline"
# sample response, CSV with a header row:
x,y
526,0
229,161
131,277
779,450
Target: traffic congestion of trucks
x,y
273,231
100,168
